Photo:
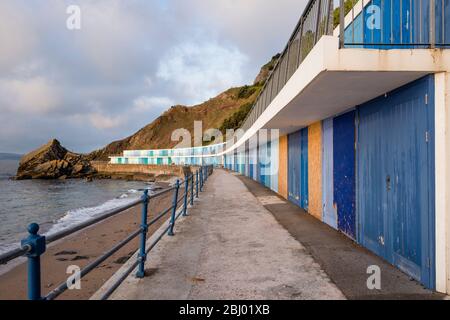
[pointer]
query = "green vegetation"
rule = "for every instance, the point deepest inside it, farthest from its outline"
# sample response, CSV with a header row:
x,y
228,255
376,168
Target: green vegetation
x,y
271,64
246,92
237,119
349,4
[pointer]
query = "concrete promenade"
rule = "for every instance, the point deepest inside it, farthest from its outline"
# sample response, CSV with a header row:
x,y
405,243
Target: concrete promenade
x,y
230,247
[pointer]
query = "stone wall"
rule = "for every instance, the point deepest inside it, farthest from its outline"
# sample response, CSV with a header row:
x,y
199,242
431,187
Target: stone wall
x,y
103,167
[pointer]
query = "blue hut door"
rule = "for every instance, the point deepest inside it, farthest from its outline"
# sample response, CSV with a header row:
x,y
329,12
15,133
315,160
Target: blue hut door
x,y
304,169
294,173
344,172
396,170
329,212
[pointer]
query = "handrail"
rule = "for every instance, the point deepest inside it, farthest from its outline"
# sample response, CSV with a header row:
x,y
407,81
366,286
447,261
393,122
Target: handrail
x,y
34,246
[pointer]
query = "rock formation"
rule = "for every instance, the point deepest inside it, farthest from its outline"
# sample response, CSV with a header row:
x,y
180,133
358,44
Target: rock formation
x,y
52,161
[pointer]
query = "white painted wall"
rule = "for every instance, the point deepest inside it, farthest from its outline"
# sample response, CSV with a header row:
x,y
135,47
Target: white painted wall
x,y
447,138
442,181
274,162
446,159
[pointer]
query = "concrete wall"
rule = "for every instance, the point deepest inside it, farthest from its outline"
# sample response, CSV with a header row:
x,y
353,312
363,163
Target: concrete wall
x,y
274,163
283,170
442,147
109,169
447,186
315,170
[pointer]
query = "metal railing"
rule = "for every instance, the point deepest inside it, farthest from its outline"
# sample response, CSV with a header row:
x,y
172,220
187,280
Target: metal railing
x,y
385,24
34,246
315,22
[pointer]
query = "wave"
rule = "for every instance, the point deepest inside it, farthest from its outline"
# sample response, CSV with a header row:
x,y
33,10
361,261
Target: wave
x,y
77,216
80,215
74,217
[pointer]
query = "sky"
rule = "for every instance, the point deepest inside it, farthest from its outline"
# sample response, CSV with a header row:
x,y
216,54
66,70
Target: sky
x,y
129,61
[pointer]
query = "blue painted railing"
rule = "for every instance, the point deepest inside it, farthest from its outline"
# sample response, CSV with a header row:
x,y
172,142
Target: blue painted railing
x,y
34,246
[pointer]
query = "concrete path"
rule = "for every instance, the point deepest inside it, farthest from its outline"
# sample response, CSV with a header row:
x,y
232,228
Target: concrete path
x,y
230,247
344,261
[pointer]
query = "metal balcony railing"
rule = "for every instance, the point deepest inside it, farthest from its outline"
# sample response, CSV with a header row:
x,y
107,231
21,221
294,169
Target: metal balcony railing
x,y
315,22
34,246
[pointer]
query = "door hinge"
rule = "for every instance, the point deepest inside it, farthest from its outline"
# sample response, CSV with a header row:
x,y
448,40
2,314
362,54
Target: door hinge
x,y
427,136
426,99
429,263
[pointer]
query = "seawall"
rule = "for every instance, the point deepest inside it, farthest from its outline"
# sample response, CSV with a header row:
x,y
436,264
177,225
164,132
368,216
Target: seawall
x,y
140,171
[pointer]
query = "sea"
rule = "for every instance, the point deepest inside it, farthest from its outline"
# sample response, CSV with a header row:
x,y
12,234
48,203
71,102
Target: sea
x,y
55,204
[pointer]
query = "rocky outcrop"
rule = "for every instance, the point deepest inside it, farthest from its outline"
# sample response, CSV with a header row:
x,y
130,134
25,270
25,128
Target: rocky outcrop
x,y
53,161
266,70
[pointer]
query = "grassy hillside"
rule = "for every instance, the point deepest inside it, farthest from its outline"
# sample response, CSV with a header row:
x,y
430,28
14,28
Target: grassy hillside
x,y
225,111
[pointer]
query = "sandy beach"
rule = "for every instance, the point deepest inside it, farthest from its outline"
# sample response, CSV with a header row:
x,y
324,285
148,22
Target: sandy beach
x,y
81,249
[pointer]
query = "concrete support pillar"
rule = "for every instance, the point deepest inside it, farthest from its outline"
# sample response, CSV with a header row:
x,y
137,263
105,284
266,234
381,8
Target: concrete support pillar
x,y
442,148
447,161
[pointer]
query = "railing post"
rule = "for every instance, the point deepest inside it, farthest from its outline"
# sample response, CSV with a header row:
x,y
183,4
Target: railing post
x,y
192,190
196,184
35,244
201,179
319,13
433,24
186,191
144,229
174,209
341,24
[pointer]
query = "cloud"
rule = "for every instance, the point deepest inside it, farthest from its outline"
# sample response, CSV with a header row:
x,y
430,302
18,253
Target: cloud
x,y
145,104
17,35
202,70
259,28
34,95
103,122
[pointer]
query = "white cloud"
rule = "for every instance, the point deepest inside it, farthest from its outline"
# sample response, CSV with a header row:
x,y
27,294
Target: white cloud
x,y
103,122
145,104
202,70
148,81
35,95
260,28
112,36
17,35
